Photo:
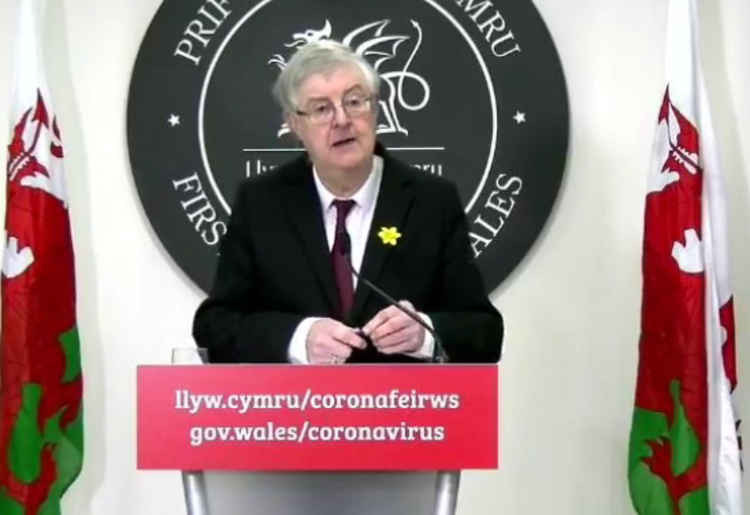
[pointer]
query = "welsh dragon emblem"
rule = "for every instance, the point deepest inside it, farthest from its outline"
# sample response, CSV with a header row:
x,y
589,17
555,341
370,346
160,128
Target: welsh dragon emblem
x,y
390,54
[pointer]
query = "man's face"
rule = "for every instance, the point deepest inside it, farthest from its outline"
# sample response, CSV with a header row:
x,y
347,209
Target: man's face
x,y
345,142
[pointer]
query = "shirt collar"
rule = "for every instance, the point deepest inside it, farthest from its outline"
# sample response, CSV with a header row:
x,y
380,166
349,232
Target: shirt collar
x,y
364,197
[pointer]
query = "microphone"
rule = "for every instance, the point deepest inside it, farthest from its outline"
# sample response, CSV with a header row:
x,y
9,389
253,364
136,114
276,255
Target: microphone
x,y
439,356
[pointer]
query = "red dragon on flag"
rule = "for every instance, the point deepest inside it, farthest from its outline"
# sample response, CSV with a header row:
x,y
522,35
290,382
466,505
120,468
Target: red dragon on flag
x,y
41,429
670,426
684,454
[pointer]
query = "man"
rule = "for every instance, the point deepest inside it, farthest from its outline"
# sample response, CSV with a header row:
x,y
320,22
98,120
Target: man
x,y
284,288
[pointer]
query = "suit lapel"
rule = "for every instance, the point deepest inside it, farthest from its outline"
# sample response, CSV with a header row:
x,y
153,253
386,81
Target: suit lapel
x,y
393,203
305,218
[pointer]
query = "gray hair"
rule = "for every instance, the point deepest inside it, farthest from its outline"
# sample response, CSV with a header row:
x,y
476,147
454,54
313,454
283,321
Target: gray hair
x,y
318,57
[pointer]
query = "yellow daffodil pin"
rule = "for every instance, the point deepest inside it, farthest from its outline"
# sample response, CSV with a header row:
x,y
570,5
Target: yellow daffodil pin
x,y
389,235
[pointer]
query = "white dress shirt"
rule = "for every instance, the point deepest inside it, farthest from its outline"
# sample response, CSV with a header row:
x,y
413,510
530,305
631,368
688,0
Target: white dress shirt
x,y
358,224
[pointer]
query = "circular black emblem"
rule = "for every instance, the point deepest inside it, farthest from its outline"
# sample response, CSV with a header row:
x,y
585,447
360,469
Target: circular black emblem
x,y
472,91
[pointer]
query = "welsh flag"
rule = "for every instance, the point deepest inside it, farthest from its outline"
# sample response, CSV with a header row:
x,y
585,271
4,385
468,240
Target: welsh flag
x,y
41,431
684,455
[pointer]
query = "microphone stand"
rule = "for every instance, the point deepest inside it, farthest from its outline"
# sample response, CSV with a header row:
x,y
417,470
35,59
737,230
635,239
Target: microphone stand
x,y
446,482
439,355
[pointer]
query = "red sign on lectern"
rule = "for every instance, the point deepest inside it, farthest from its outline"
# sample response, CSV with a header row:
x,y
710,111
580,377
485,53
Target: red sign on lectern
x,y
287,417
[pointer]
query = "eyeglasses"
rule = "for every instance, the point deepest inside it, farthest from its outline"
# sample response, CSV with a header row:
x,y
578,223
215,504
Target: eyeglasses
x,y
321,112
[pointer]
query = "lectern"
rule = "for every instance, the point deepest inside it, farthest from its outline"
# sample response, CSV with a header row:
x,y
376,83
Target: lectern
x,y
314,440
320,493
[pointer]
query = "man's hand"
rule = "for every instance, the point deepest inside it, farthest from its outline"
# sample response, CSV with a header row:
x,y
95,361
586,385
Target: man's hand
x,y
394,332
331,342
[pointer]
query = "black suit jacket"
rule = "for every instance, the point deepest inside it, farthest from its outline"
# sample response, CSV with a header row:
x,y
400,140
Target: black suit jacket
x,y
274,268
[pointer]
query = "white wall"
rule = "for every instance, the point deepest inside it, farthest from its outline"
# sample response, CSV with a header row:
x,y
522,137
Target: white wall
x,y
571,308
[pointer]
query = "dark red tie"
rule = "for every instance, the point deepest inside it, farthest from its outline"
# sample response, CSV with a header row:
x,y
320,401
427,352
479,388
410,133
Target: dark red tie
x,y
340,258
